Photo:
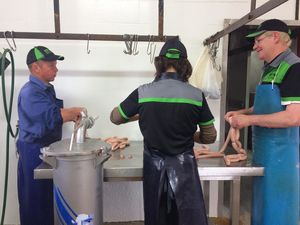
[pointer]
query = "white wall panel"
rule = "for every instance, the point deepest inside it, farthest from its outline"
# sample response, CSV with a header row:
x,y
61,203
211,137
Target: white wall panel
x,y
33,15
109,17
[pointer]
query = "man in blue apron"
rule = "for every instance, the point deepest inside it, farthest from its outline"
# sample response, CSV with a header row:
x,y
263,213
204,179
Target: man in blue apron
x,y
169,110
41,116
275,117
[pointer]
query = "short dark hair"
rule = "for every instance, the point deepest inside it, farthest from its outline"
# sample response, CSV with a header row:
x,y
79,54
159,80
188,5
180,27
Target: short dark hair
x,y
182,66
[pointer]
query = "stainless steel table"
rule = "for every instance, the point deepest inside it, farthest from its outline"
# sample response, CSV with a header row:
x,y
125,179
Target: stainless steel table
x,y
127,165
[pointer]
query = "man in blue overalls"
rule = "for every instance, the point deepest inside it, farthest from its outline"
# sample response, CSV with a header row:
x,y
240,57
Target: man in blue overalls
x,y
275,117
41,116
169,111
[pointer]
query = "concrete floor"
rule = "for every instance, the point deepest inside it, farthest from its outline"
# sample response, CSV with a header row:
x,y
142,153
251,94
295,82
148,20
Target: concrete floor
x,y
212,221
244,209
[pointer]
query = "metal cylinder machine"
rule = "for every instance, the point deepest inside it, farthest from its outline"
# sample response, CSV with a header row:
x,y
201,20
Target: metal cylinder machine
x,y
78,176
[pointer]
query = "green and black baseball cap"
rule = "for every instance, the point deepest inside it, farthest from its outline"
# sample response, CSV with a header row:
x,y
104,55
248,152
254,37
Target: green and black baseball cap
x,y
173,49
270,25
41,53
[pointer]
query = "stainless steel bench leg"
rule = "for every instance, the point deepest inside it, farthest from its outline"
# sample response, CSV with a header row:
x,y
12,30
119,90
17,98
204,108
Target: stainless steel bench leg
x,y
235,200
206,185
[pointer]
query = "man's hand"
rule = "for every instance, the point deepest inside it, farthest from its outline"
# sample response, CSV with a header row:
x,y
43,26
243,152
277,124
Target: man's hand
x,y
71,114
237,112
229,114
239,121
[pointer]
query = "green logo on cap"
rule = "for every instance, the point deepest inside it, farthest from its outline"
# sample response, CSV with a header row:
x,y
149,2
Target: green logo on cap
x,y
173,53
47,51
38,55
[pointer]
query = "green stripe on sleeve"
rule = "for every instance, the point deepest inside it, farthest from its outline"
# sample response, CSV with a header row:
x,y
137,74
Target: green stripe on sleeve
x,y
290,99
171,100
210,122
122,113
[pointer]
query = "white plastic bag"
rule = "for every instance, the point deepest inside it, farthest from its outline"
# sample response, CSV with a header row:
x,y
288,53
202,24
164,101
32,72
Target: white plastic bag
x,y
206,77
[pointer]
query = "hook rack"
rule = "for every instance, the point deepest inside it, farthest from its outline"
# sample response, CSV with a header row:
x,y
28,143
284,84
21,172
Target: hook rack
x,y
76,36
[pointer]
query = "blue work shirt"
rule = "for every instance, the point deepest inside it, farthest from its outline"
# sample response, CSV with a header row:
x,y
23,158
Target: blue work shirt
x,y
40,119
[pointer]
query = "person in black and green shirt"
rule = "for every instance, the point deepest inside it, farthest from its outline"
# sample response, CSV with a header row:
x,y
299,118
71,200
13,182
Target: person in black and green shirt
x,y
169,111
275,118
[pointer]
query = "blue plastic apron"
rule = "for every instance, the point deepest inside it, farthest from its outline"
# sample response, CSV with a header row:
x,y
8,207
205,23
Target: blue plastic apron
x,y
275,199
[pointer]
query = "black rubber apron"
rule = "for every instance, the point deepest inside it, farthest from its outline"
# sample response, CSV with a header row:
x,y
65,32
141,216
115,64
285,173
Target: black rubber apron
x,y
172,189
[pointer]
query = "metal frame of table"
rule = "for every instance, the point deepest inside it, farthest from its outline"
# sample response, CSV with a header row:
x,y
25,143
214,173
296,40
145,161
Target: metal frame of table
x,y
127,165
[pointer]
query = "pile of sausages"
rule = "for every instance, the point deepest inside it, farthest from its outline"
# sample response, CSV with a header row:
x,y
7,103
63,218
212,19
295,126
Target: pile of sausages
x,y
117,143
233,135
201,151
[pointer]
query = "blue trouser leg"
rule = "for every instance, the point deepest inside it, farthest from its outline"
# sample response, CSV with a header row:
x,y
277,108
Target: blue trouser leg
x,y
35,196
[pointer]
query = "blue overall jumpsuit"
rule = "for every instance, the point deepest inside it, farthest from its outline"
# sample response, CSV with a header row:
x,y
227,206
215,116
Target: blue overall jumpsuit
x,y
276,195
169,111
40,125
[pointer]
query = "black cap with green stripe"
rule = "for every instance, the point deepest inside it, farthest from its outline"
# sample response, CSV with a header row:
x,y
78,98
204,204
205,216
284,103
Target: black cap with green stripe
x,y
270,25
41,53
173,49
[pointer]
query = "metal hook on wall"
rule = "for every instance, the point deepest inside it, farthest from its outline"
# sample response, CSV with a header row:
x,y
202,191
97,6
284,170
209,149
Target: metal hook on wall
x,y
135,44
152,53
213,49
128,43
14,47
88,50
149,47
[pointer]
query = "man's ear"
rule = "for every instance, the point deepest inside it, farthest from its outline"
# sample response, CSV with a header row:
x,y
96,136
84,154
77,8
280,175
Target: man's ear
x,y
276,36
35,67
